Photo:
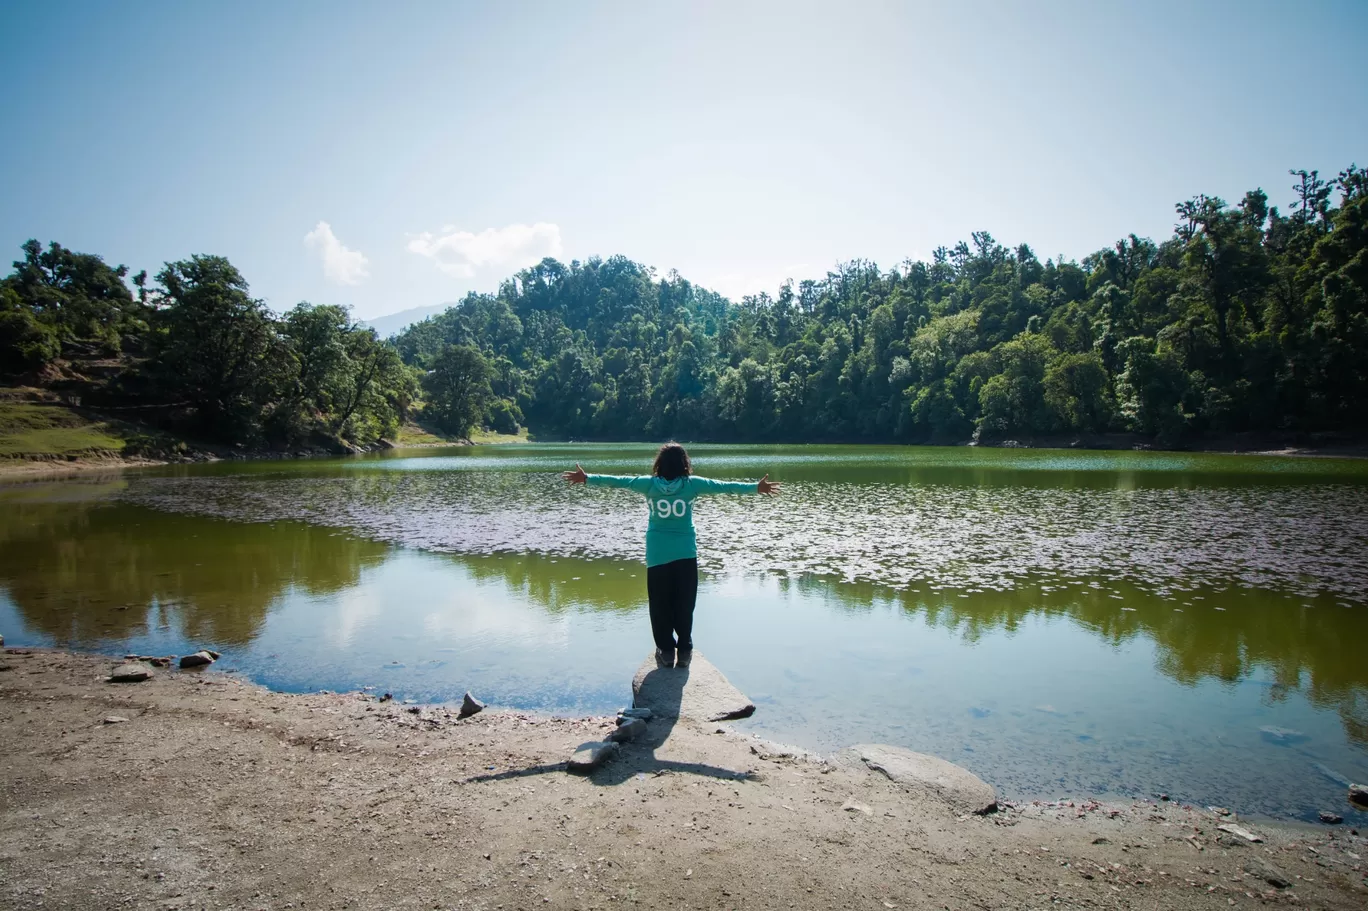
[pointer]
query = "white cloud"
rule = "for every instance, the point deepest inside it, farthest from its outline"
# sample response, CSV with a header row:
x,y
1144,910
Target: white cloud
x,y
462,253
340,265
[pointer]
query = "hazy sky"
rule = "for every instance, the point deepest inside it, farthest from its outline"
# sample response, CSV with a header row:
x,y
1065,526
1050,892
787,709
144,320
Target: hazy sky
x,y
393,155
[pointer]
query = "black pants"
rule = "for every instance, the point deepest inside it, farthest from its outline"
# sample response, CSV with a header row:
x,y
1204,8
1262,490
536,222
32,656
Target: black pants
x,y
673,589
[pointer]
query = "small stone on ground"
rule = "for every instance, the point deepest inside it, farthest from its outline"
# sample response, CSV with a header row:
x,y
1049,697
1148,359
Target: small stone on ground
x,y
630,729
470,706
589,756
130,673
1244,833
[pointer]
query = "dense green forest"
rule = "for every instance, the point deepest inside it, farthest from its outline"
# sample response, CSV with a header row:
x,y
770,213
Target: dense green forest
x,y
1246,319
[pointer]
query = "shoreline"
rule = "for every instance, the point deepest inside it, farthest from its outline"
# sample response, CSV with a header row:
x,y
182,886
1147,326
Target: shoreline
x,y
198,789
18,468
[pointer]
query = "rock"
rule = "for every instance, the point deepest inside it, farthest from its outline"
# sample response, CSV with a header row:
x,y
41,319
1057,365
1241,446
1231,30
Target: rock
x,y
961,789
634,712
133,657
1244,833
1256,866
199,659
160,662
851,806
2,641
1330,819
130,673
211,653
630,729
470,706
699,692
114,719
591,755
1101,841
1358,795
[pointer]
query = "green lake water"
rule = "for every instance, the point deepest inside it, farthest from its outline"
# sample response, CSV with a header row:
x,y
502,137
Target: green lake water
x,y
1063,623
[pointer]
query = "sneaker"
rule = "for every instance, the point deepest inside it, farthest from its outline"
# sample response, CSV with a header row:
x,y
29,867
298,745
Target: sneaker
x,y
665,658
685,656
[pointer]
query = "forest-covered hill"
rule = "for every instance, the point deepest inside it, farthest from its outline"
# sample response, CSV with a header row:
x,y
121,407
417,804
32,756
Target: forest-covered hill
x,y
1246,319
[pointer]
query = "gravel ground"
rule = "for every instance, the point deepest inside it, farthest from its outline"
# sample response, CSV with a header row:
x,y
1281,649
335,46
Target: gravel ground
x,y
214,793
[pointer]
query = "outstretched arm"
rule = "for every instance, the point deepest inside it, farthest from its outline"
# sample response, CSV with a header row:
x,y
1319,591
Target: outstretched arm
x,y
704,486
627,482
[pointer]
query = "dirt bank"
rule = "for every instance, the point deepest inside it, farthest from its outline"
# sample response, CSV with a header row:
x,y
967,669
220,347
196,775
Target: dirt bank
x,y
214,793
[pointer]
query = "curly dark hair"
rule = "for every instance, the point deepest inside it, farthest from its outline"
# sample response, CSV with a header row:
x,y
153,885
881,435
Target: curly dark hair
x,y
671,462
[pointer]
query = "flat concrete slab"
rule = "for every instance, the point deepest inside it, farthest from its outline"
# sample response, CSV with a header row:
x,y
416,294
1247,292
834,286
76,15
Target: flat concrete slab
x,y
964,791
700,692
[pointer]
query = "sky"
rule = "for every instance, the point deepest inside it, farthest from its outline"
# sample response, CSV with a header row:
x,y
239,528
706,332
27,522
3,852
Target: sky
x,y
398,155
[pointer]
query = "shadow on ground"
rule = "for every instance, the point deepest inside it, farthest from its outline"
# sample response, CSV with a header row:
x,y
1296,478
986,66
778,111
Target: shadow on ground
x,y
666,686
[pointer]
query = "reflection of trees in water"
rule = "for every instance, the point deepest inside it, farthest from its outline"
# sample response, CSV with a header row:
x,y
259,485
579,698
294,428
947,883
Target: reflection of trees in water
x,y
81,573
557,584
1316,649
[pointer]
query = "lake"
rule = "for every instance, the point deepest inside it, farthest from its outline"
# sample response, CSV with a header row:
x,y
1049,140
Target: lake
x,y
1063,623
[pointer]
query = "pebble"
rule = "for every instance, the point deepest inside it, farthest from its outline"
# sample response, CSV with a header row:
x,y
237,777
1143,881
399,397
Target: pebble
x,y
630,729
1330,819
851,806
1233,829
589,756
470,706
130,673
1267,872
114,719
198,659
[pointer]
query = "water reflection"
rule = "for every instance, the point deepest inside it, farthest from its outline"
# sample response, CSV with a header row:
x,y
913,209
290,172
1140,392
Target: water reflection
x,y
1225,636
90,572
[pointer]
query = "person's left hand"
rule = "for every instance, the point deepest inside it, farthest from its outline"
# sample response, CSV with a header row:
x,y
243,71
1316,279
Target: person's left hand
x,y
575,477
767,487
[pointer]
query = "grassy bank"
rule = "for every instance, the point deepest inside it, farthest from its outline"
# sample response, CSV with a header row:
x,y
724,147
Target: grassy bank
x,y
414,434
51,431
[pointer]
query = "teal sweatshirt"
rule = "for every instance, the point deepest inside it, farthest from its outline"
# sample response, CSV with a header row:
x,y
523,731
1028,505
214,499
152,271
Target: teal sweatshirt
x,y
670,531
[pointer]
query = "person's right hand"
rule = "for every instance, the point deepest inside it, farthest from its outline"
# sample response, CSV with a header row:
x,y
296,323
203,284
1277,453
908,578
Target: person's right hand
x,y
575,477
767,487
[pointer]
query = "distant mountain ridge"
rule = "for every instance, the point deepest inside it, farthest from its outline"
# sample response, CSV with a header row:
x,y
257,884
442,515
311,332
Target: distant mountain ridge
x,y
393,323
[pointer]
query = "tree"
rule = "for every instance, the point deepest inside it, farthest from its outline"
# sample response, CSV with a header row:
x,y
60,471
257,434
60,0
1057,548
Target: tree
x,y
77,294
1078,392
25,342
457,389
217,348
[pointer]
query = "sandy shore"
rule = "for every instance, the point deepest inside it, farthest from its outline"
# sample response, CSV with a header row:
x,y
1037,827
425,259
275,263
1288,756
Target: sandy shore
x,y
215,793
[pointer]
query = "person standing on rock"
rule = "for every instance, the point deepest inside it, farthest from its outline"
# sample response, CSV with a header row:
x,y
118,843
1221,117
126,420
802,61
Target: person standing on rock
x,y
671,545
